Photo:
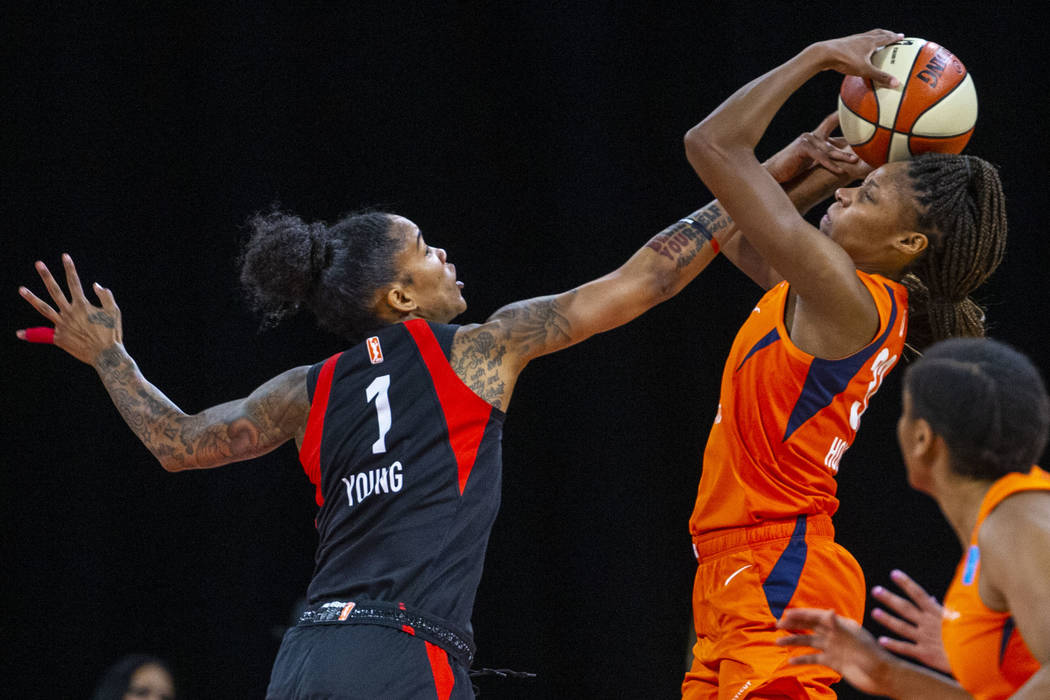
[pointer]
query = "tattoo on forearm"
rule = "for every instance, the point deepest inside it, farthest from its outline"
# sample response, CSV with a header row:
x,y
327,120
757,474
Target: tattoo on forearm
x,y
682,241
225,433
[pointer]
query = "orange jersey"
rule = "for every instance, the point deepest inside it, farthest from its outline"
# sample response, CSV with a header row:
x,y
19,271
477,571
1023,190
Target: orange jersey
x,y
785,417
987,655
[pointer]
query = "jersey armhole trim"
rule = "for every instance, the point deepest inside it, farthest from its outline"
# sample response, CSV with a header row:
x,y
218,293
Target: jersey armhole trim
x,y
310,452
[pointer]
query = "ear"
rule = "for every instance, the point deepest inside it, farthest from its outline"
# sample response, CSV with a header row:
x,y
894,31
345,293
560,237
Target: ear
x,y
911,243
928,448
400,300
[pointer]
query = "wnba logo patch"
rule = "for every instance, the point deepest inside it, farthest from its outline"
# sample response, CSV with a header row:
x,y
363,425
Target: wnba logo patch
x,y
375,350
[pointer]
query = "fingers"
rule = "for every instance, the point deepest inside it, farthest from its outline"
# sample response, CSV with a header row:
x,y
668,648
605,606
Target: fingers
x,y
899,647
53,288
803,618
884,38
105,297
828,125
821,150
39,304
805,659
76,290
917,593
37,334
893,601
895,624
797,640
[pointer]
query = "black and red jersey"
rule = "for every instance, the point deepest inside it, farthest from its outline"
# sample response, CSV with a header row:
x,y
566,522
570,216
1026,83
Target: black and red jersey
x,y
407,464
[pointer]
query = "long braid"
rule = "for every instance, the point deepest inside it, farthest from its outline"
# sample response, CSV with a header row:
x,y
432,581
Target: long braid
x,y
962,210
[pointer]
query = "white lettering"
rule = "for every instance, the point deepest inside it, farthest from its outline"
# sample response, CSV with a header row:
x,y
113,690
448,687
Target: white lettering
x,y
364,484
834,455
743,689
880,367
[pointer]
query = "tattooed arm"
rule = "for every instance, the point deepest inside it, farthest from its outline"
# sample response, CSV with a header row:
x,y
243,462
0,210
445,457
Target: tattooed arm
x,y
489,356
273,414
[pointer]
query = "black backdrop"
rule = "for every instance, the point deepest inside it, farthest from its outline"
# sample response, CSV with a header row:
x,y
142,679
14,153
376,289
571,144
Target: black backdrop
x,y
540,146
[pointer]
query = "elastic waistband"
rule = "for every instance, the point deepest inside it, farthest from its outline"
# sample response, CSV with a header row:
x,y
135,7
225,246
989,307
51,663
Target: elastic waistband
x,y
710,543
396,616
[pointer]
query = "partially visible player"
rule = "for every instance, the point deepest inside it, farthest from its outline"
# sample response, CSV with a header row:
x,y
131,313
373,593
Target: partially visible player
x,y
915,236
975,418
401,432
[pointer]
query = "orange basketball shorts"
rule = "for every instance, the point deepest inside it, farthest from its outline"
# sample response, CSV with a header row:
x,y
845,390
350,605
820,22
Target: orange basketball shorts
x,y
745,579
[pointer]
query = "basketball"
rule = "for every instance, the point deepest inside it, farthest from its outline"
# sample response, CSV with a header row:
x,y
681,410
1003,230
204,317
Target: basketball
x,y
933,109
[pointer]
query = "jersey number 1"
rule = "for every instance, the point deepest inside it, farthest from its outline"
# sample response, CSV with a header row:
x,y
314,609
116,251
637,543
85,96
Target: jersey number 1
x,y
378,390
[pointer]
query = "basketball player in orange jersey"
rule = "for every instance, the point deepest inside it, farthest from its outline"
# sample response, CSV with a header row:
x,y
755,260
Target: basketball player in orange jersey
x,y
975,418
920,234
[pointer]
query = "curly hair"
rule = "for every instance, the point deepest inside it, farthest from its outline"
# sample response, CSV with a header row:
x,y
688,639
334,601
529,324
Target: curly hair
x,y
962,210
987,401
333,271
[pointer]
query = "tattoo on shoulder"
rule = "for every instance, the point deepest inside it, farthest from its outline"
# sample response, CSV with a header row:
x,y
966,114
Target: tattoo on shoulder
x,y
526,329
681,241
477,357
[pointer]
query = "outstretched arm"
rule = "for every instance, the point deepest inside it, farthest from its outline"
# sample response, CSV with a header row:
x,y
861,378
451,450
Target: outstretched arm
x,y
721,150
489,356
271,415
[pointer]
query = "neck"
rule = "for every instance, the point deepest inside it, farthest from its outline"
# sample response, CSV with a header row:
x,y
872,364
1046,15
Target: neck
x,y
887,271
960,500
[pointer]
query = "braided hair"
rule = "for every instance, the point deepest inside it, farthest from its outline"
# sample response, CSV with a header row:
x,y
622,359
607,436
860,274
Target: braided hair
x,y
963,212
333,271
987,401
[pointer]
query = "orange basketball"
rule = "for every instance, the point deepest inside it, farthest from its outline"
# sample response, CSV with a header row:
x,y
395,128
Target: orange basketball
x,y
933,109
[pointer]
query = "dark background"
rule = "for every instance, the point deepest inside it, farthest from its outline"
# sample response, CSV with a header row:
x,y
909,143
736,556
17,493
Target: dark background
x,y
540,145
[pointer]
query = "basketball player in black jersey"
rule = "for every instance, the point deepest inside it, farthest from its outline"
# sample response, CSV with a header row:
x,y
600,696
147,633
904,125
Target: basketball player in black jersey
x,y
400,433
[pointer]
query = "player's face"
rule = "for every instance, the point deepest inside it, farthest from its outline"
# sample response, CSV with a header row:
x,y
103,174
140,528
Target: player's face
x,y
866,220
427,276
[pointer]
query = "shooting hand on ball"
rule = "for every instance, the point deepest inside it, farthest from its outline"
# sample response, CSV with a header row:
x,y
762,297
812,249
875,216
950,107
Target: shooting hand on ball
x,y
81,329
851,55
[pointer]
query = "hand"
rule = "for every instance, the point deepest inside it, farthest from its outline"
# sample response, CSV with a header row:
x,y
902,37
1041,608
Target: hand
x,y
921,623
842,645
818,148
851,55
81,329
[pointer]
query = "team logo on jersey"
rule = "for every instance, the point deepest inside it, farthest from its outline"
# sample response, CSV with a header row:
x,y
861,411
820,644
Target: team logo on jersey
x,y
375,350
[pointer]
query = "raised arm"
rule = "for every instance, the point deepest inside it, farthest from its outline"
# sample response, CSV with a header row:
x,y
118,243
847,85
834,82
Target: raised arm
x,y
271,415
809,169
721,150
489,356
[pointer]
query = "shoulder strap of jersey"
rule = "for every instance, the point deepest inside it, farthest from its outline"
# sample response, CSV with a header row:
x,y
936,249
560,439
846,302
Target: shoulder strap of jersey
x,y
466,414
310,452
